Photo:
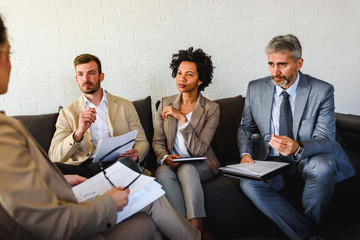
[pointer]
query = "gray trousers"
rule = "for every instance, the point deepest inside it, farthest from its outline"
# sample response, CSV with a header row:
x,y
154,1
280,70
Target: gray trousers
x,y
157,217
183,187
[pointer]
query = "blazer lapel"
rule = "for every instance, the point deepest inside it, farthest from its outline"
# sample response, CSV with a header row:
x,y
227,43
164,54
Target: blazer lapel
x,y
267,102
172,123
198,111
112,109
302,94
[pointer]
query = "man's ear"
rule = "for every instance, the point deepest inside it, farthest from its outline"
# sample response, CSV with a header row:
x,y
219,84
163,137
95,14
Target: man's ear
x,y
299,63
102,76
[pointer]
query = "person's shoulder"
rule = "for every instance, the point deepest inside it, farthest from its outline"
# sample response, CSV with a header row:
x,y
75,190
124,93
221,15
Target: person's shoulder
x,y
118,100
315,81
260,81
73,104
9,123
318,84
167,100
208,102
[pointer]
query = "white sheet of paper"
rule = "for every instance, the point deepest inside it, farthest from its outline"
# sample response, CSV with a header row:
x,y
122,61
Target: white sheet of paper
x,y
105,145
142,192
141,199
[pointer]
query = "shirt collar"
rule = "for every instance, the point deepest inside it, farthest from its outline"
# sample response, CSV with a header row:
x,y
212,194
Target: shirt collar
x,y
104,99
291,90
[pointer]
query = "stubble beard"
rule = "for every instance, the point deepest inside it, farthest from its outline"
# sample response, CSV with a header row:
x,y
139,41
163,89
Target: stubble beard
x,y
285,82
87,90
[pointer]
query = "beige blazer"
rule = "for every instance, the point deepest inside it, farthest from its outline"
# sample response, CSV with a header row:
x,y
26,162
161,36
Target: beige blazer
x,y
122,118
36,202
198,134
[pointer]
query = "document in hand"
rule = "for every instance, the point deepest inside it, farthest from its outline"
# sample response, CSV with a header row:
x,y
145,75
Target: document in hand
x,y
260,170
125,142
142,192
189,159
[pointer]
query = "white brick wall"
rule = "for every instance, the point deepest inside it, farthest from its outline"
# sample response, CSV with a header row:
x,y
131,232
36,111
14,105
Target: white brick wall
x,y
136,39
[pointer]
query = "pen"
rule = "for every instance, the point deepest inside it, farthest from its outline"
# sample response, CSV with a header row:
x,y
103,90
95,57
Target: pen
x,y
126,187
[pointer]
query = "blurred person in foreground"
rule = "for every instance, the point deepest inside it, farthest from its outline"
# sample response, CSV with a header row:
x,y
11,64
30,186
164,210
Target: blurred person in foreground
x,y
36,200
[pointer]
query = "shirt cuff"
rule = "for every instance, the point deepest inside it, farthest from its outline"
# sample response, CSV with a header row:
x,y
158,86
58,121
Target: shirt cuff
x,y
247,154
161,161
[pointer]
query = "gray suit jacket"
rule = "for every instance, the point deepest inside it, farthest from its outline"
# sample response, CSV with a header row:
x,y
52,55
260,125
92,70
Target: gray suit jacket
x,y
198,134
313,120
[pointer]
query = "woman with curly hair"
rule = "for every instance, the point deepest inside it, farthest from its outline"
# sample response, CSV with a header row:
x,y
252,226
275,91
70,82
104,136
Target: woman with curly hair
x,y
184,127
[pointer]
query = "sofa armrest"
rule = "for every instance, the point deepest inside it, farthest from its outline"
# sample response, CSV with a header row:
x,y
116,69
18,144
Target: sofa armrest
x,y
348,126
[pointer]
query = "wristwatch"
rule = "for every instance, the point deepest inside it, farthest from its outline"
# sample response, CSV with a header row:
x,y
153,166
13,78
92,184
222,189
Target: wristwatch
x,y
299,151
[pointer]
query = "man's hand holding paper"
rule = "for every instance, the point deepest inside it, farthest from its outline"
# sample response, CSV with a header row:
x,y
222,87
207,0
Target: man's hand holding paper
x,y
116,147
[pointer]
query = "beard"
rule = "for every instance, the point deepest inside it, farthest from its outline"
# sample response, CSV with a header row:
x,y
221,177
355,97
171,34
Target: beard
x,y
285,82
90,90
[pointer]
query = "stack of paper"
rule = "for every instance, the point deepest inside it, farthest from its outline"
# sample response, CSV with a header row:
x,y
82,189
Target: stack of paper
x,y
142,192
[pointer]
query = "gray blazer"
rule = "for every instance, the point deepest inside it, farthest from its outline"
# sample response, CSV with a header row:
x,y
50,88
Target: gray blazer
x,y
313,120
198,134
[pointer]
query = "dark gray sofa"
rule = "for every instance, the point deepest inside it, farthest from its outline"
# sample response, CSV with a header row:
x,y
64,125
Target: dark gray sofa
x,y
230,215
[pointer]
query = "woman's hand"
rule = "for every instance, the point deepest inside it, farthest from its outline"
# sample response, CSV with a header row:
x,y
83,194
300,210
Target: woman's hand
x,y
74,180
169,161
171,111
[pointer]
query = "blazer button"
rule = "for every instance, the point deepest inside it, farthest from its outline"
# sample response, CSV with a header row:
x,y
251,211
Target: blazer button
x,y
108,225
90,140
70,144
88,154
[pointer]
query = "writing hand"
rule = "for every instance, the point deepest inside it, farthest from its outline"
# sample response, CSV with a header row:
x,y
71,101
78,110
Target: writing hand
x,y
246,159
169,161
120,196
171,111
283,144
86,118
74,180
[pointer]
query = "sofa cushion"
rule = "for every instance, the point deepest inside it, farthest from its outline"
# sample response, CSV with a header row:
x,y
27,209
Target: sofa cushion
x,y
41,127
224,142
143,108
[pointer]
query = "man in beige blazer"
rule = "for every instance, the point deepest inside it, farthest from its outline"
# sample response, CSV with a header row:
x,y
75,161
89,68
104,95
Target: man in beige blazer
x,y
96,114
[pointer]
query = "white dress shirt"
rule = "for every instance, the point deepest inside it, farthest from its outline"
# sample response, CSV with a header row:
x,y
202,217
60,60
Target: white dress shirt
x,y
100,128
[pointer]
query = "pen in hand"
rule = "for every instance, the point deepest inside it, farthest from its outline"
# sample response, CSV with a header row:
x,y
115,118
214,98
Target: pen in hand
x,y
126,187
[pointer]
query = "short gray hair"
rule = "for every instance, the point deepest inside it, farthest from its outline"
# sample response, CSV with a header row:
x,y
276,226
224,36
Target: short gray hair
x,y
284,43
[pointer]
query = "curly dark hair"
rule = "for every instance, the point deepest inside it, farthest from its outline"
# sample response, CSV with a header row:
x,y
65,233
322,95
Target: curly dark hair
x,y
2,31
203,63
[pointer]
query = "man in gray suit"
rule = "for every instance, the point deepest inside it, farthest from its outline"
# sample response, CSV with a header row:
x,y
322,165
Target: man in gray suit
x,y
300,131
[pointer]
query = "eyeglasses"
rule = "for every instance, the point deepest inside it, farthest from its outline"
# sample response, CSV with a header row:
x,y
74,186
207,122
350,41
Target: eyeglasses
x,y
256,137
7,54
137,169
